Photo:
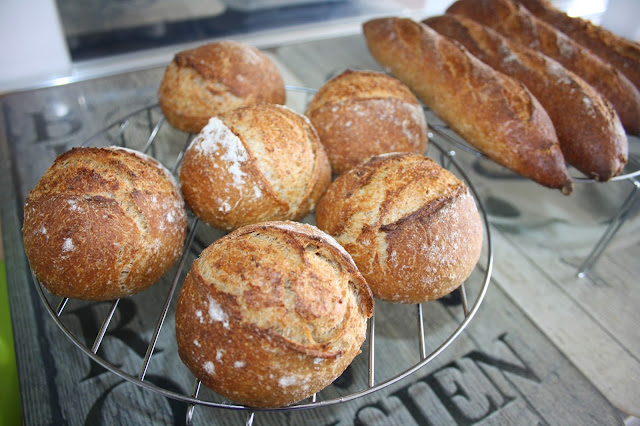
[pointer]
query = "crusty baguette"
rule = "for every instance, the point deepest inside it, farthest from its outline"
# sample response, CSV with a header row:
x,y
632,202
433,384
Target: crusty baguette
x,y
491,111
271,313
590,134
410,225
619,51
514,21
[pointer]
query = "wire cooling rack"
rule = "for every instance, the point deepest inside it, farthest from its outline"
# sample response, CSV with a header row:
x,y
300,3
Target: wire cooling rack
x,y
147,131
630,173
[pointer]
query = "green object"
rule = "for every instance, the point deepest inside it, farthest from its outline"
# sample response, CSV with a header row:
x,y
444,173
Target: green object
x,y
10,406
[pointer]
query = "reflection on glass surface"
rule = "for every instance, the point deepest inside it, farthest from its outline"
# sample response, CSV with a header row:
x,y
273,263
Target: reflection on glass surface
x,y
95,29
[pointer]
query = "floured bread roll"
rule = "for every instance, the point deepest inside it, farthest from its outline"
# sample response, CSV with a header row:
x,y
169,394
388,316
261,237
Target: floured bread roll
x,y
410,225
359,114
217,77
272,313
103,223
254,164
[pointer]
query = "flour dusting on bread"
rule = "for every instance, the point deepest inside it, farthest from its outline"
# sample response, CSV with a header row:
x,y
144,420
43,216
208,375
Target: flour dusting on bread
x,y
218,139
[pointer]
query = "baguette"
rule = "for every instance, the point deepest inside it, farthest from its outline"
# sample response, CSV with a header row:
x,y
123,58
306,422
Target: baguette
x,y
590,134
619,51
514,21
493,112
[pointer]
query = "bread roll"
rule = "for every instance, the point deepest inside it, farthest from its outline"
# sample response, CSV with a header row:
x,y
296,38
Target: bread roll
x,y
272,313
214,78
253,164
620,52
359,114
411,226
515,22
590,134
495,113
103,223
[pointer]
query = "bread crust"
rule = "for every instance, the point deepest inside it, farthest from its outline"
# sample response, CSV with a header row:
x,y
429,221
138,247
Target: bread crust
x,y
590,134
234,172
410,225
622,53
103,223
512,20
491,111
359,114
272,313
214,78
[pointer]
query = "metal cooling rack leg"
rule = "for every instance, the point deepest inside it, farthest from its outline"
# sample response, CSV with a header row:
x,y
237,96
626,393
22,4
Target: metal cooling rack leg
x,y
463,297
120,134
105,325
423,350
61,306
153,134
191,408
250,419
165,309
372,336
621,217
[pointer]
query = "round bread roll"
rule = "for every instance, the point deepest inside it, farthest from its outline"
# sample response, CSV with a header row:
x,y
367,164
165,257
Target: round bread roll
x,y
103,223
359,114
272,313
214,78
410,225
254,164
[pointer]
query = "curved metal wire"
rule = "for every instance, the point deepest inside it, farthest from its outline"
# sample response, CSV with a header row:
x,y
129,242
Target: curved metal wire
x,y
192,398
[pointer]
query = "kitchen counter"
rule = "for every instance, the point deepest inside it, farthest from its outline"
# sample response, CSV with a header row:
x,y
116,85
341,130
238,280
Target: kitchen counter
x,y
546,346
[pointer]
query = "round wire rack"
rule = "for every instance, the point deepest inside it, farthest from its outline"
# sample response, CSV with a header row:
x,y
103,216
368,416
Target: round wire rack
x,y
146,130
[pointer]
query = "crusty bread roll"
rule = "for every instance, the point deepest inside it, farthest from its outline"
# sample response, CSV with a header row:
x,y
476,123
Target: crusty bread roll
x,y
410,225
515,22
272,313
590,134
620,52
103,223
253,164
493,112
217,77
359,114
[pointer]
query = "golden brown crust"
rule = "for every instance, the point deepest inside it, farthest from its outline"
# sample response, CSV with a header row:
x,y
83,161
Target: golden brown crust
x,y
235,172
359,114
622,53
103,223
214,78
590,134
272,313
491,111
411,226
515,22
